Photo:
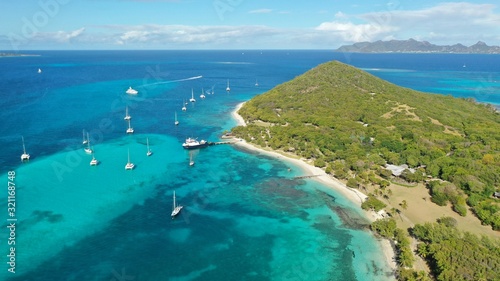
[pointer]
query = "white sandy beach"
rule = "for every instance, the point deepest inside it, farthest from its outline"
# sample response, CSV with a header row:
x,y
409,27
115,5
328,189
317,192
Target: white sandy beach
x,y
352,194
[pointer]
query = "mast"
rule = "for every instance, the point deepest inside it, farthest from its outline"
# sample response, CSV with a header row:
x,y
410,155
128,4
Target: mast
x,y
24,148
174,201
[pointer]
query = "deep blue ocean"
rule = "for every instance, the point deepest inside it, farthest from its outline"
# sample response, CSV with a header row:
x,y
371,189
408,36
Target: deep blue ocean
x,y
245,217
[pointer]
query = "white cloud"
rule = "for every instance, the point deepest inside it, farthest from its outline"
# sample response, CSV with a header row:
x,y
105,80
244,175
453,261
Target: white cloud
x,y
458,21
58,36
179,35
260,11
348,31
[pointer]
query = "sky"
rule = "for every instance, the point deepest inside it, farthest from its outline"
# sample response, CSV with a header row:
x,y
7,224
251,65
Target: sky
x,y
240,24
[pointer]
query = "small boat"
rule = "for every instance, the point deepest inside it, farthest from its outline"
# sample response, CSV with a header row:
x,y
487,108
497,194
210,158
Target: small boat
x,y
127,116
85,141
191,143
192,97
202,96
176,122
227,88
94,162
256,83
175,208
87,149
129,165
149,153
130,130
131,91
25,156
184,106
39,70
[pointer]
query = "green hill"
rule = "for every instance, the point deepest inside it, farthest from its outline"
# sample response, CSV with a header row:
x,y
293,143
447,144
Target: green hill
x,y
352,123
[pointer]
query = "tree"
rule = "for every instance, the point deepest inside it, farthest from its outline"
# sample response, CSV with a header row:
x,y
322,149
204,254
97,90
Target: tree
x,y
404,205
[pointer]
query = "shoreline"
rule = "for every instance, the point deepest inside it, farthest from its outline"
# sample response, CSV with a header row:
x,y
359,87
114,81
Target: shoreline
x,y
322,177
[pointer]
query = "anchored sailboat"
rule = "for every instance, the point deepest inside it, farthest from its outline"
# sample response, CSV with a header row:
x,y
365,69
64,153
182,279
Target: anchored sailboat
x,y
227,88
129,165
25,156
127,116
130,130
192,99
191,160
175,209
176,122
94,162
202,96
85,141
149,153
87,149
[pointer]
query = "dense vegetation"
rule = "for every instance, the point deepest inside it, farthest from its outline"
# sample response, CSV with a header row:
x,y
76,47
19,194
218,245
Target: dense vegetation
x,y
454,255
351,124
450,254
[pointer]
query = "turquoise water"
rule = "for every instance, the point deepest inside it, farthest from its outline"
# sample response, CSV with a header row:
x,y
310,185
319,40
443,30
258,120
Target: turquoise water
x,y
245,217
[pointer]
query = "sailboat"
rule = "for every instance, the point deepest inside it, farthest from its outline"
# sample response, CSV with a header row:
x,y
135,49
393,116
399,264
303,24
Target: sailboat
x,y
149,153
25,156
176,122
130,165
192,97
130,130
256,83
87,149
191,161
184,106
39,70
227,88
175,209
84,141
131,91
202,96
127,116
94,162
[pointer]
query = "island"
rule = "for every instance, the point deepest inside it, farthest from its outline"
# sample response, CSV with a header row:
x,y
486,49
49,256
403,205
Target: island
x,y
426,163
414,46
17,55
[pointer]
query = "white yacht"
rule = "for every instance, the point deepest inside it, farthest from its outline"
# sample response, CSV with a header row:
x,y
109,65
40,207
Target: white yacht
x,y
25,156
227,88
129,165
176,122
191,143
202,96
131,91
39,70
87,149
130,130
256,83
127,116
184,106
175,208
192,99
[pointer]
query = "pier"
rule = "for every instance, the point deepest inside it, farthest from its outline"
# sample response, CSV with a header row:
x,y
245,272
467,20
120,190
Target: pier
x,y
306,177
221,142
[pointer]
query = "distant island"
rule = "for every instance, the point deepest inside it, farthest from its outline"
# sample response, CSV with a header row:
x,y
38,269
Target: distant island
x,y
17,55
414,46
359,128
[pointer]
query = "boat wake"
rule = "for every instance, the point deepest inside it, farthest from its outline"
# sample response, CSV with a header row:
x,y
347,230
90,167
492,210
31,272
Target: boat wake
x,y
173,81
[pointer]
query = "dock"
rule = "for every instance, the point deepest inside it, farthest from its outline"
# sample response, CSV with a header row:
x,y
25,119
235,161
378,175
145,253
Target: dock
x,y
221,142
306,177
